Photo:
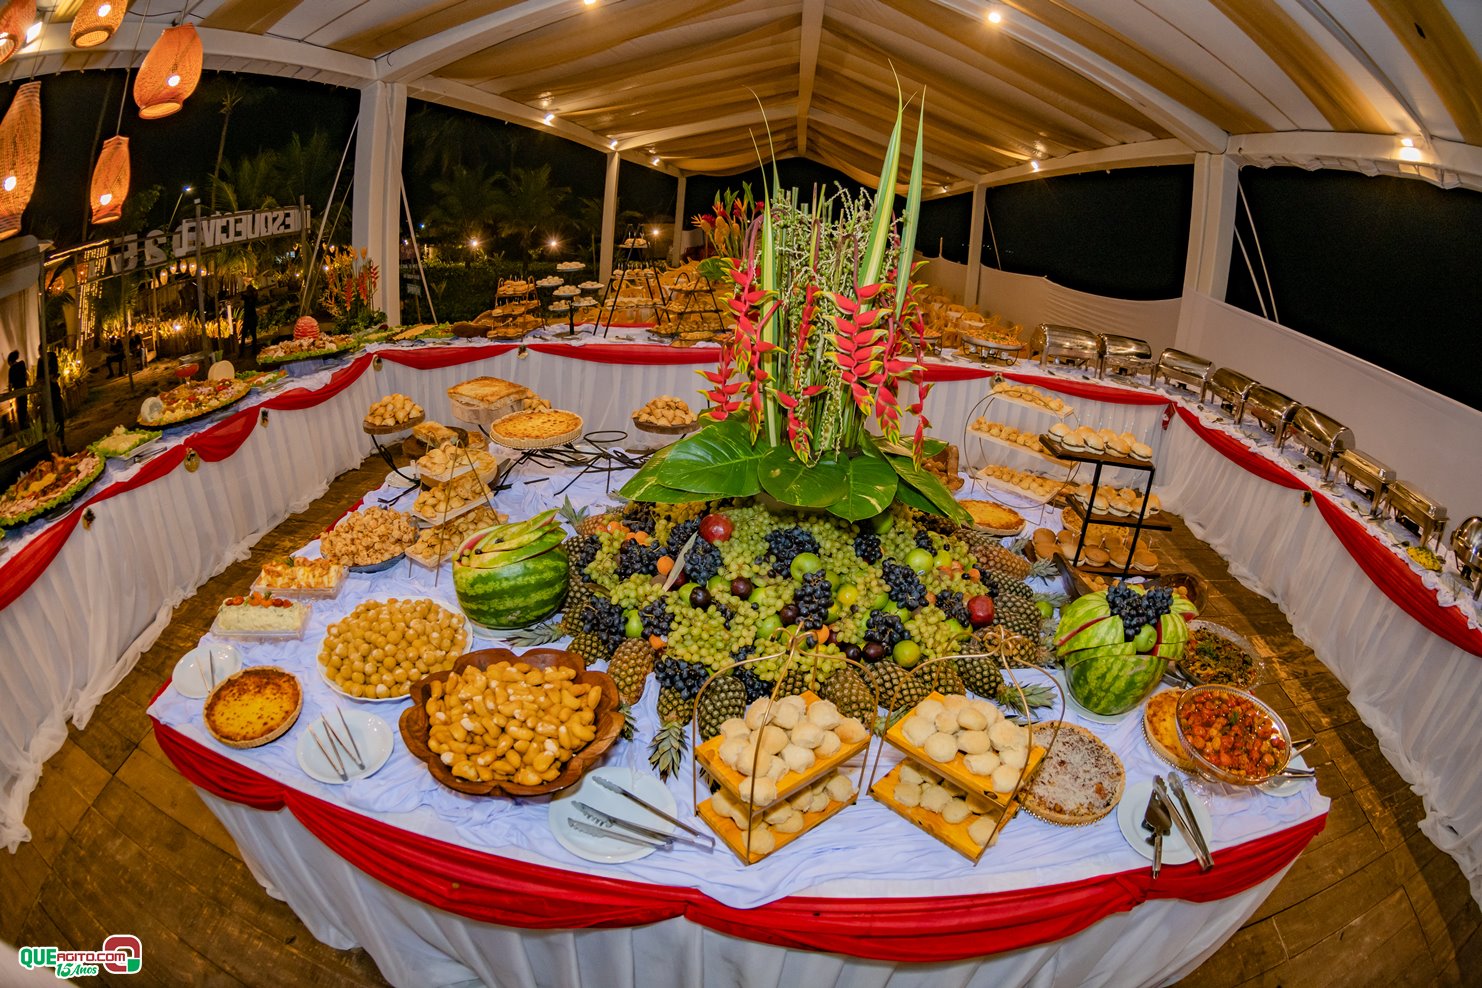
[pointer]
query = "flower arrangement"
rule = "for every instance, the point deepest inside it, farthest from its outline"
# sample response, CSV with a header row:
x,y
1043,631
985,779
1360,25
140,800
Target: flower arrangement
x,y
726,228
349,286
828,332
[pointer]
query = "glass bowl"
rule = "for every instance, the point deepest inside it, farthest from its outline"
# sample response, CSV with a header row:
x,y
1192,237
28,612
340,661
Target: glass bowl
x,y
1217,773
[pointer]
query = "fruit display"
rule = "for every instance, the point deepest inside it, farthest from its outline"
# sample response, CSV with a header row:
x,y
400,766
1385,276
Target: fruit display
x,y
383,646
1425,558
511,722
121,441
306,328
1009,435
512,575
436,503
665,411
1232,734
190,400
779,747
304,348
965,821
253,707
368,537
445,462
393,410
1116,644
299,573
436,544
1213,658
1080,780
49,484
969,741
260,614
1031,396
1032,485
993,517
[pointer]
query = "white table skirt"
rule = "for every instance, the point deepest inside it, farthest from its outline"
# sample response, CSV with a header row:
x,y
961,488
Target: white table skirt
x,y
413,943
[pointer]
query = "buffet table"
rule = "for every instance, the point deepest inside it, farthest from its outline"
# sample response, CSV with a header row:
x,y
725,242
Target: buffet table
x,y
159,531
443,889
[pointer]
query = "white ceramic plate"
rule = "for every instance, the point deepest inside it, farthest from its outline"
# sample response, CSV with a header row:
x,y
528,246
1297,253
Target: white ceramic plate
x,y
610,850
374,736
1287,787
202,665
1129,821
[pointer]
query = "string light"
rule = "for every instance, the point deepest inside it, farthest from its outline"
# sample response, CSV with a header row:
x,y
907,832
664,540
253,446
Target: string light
x,y
995,13
550,118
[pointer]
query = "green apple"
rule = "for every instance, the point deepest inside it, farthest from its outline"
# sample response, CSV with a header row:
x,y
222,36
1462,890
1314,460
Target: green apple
x,y
906,653
919,560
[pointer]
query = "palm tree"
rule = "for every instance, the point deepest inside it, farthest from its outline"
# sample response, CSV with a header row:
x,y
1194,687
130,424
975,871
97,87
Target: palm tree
x,y
306,168
229,92
251,182
466,204
528,206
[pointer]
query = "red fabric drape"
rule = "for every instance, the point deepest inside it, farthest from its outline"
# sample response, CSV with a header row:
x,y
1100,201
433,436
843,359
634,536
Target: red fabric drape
x,y
1090,390
427,358
652,354
493,889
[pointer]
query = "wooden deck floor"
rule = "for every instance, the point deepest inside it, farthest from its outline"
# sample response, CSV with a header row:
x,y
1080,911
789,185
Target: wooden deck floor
x,y
122,842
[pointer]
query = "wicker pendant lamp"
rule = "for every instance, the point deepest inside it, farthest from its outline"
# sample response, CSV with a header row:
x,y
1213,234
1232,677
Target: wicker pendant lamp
x,y
95,22
110,181
170,72
20,153
15,20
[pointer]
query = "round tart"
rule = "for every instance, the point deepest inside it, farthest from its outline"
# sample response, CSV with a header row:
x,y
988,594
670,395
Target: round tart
x,y
994,518
253,706
1160,728
1080,780
548,426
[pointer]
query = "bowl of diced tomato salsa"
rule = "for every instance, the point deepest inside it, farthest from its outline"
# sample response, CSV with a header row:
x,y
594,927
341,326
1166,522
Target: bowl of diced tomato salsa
x,y
1231,736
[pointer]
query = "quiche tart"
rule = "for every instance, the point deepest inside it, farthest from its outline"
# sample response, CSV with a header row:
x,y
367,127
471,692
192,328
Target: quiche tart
x,y
547,425
1160,727
487,391
994,518
1080,780
253,706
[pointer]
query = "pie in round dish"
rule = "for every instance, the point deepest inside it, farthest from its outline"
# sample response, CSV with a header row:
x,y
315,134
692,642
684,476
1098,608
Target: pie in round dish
x,y
538,425
1160,727
994,518
253,706
1080,780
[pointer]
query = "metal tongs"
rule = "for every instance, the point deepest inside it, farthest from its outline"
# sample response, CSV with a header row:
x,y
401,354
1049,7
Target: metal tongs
x,y
611,786
1184,819
607,820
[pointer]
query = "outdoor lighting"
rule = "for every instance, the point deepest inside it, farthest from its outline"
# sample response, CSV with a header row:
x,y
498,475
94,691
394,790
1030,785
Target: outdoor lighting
x,y
17,17
553,244
655,161
20,153
550,118
170,72
1408,150
995,14
654,232
96,21
590,3
110,184
612,144
1034,166
34,31
474,242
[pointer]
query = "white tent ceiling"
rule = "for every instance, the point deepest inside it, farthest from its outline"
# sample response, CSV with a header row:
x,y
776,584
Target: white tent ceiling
x,y
1055,85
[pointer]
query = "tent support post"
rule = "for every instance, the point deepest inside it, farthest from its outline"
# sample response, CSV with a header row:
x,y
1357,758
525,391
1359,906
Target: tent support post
x,y
1211,234
609,217
970,287
376,207
676,246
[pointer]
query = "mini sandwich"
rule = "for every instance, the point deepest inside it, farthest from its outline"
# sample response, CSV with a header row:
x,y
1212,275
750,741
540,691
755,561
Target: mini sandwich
x,y
1071,438
1119,505
1144,561
1094,555
1155,504
1060,431
1101,505
1094,443
1142,451
1106,435
1117,446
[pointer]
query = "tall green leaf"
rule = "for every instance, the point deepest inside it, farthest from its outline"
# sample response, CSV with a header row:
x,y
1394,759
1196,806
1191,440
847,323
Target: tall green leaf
x,y
719,460
792,481
872,486
879,240
912,217
929,487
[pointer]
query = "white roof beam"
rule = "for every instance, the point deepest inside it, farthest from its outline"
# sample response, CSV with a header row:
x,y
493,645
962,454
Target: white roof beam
x,y
812,36
1444,163
422,58
1198,132
1140,155
750,118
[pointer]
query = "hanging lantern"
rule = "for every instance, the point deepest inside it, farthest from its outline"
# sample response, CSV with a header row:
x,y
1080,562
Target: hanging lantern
x,y
95,22
20,153
15,22
169,73
111,180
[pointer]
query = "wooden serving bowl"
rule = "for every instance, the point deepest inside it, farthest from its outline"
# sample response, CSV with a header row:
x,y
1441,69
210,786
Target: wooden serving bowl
x,y
415,726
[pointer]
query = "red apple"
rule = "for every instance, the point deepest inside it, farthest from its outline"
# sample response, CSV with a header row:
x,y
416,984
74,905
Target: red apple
x,y
980,610
716,528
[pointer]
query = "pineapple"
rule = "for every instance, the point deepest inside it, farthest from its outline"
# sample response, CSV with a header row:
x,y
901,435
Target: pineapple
x,y
899,690
588,647
947,678
1005,565
723,699
537,634
1018,614
630,728
580,591
667,748
629,668
980,673
580,521
794,682
851,695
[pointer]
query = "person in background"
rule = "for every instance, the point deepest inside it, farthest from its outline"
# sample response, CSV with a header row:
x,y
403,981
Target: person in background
x,y
249,313
115,356
15,380
136,349
54,387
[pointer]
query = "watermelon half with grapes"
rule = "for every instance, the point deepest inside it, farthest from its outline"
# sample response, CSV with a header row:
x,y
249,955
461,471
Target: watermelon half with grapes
x,y
1116,651
511,576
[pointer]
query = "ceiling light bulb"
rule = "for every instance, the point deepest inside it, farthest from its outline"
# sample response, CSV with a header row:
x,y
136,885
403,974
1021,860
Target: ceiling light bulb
x,y
173,80
1034,166
612,144
105,198
590,3
655,162
995,15
1410,153
550,118
9,183
1407,142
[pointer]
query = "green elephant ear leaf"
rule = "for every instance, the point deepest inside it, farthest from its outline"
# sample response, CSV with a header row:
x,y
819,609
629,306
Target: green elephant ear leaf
x,y
719,460
939,500
648,483
792,481
872,486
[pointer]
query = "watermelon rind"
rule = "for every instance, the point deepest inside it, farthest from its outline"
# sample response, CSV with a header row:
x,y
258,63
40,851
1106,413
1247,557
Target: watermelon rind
x,y
1109,683
515,595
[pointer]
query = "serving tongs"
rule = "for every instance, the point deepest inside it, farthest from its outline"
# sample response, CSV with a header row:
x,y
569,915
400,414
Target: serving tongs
x,y
608,821
610,786
1185,821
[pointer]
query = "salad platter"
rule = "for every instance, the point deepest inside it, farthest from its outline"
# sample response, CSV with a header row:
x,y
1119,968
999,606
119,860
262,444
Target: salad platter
x,y
50,484
190,401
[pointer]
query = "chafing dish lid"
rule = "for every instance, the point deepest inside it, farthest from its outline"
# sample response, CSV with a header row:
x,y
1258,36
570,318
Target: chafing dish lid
x,y
1323,430
1467,539
1355,462
1065,338
1127,347
1229,381
1187,363
1414,503
1274,404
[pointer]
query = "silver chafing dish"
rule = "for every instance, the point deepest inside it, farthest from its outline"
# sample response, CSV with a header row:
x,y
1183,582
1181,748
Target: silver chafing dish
x,y
1426,515
1366,475
1323,436
1183,369
1269,407
1229,388
1065,343
1466,542
1123,353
